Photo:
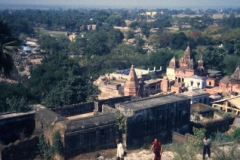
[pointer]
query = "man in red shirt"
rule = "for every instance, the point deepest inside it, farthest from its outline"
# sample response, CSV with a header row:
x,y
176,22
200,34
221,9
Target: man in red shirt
x,y
157,149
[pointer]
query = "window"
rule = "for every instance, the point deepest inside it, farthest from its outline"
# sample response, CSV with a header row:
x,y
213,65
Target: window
x,y
191,83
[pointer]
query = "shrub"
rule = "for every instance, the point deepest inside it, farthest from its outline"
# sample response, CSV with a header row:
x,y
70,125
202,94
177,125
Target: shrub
x,y
236,135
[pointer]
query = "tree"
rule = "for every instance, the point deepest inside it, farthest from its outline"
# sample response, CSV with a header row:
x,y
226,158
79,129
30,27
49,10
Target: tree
x,y
16,95
17,104
230,62
53,69
49,44
160,58
129,34
214,57
7,47
70,91
178,41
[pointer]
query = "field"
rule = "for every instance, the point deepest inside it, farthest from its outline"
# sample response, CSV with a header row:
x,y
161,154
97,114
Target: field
x,y
43,31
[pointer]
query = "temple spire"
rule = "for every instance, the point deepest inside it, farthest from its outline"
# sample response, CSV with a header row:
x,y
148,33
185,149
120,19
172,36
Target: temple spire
x,y
131,85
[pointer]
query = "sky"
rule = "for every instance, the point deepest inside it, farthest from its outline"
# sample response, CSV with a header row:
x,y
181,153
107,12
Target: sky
x,y
130,3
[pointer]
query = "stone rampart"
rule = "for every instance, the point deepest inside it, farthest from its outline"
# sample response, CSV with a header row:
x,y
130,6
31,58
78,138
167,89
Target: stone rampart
x,y
20,150
75,109
16,126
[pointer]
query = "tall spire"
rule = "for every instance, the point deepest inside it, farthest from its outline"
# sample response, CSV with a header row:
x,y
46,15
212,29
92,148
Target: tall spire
x,y
188,53
131,85
186,58
172,63
236,74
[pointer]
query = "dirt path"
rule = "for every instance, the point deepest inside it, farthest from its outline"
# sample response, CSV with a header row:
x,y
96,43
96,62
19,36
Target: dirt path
x,y
108,154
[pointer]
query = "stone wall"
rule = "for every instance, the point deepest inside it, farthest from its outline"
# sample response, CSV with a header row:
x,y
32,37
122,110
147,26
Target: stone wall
x,y
20,150
75,109
111,102
180,138
157,122
221,125
90,134
108,109
16,126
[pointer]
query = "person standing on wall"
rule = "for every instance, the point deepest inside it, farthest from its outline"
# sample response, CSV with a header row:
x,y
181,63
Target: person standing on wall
x,y
206,147
120,150
157,149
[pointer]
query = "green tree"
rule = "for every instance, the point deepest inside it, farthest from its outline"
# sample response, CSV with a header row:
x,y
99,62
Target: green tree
x,y
17,104
17,96
70,91
230,62
53,69
178,41
129,34
160,58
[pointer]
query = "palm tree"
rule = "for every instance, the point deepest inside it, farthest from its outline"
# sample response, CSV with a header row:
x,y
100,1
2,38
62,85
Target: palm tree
x,y
7,48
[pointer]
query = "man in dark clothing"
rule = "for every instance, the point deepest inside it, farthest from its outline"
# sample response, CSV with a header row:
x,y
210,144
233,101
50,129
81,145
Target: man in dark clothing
x,y
206,147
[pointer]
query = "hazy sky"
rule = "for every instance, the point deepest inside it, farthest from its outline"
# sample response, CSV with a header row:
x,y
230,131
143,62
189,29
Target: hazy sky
x,y
152,3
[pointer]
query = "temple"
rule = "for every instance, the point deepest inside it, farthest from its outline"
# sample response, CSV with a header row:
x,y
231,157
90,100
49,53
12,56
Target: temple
x,y
186,67
231,83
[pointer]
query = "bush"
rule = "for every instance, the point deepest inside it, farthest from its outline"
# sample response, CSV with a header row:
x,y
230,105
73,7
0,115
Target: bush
x,y
57,143
21,68
97,155
236,135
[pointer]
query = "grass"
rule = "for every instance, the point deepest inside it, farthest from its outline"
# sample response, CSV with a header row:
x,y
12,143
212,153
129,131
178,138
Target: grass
x,y
43,31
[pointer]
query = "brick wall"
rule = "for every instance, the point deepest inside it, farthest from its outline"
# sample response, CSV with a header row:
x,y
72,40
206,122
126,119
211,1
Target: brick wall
x,y
180,138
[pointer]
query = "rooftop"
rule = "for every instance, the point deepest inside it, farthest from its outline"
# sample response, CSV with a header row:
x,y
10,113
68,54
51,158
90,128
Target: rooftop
x,y
151,81
195,92
197,77
153,101
90,122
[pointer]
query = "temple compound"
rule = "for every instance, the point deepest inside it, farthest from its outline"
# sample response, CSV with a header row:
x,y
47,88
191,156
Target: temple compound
x,y
186,67
187,73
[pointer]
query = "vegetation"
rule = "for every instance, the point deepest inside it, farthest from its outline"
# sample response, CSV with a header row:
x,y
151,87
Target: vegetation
x,y
47,151
59,81
14,97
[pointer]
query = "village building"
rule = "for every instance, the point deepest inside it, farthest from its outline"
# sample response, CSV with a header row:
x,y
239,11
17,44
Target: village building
x,y
231,104
213,78
197,95
135,82
204,116
231,83
196,82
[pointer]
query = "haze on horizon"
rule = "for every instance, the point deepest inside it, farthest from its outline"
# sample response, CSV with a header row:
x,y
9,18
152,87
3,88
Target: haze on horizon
x,y
130,3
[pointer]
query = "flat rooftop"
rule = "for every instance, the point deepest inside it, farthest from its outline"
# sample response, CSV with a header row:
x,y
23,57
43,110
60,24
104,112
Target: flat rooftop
x,y
153,101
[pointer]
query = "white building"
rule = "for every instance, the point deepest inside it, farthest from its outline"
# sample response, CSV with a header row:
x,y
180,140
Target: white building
x,y
196,82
